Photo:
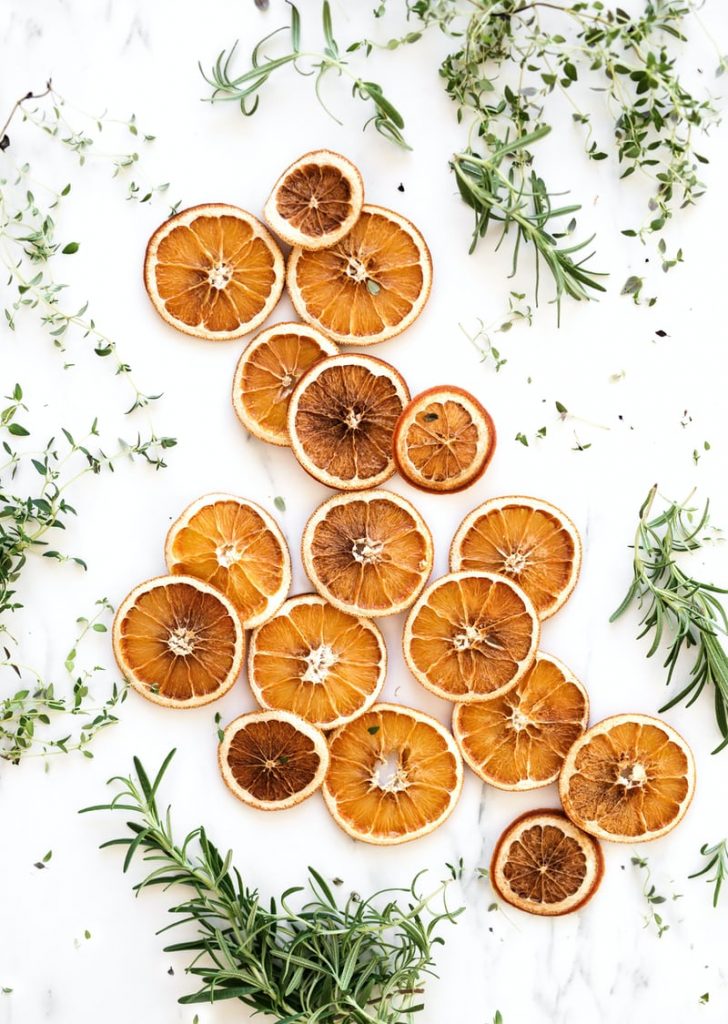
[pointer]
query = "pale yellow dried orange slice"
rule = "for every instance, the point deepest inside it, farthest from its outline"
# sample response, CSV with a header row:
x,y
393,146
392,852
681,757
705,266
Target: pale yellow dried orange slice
x,y
272,760
444,440
630,778
528,540
341,420
268,371
368,553
395,774
178,641
471,635
368,287
316,661
519,740
213,271
545,865
234,545
316,201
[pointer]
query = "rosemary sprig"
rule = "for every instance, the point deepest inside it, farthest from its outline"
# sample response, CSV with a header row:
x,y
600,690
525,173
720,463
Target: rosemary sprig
x,y
678,607
302,958
716,861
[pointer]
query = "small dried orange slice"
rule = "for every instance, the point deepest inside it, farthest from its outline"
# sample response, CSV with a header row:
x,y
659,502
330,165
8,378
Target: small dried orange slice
x,y
341,420
520,739
471,635
234,545
316,661
178,641
528,540
316,201
272,760
545,865
443,440
268,371
369,286
630,778
369,553
213,271
395,774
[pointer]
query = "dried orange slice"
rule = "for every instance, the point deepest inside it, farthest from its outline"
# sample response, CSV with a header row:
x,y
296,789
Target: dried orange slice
x,y
520,739
545,865
213,271
629,778
369,286
316,201
526,539
341,420
268,371
234,545
443,440
471,635
272,759
369,553
178,641
394,775
316,661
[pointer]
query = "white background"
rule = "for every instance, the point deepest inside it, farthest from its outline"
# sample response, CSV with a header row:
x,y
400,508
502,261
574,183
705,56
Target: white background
x,y
600,965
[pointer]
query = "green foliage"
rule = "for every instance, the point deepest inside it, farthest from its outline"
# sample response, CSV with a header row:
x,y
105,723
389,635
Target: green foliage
x,y
716,857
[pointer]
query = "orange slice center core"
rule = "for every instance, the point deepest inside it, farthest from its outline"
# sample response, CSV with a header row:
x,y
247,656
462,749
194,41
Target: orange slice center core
x,y
219,275
631,775
319,662
389,774
367,551
515,562
473,636
182,641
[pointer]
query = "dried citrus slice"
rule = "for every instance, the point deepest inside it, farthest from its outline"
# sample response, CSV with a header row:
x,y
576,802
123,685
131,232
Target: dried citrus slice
x,y
369,553
471,635
178,641
369,286
545,865
394,775
272,759
526,539
234,545
316,201
520,739
629,778
443,440
341,420
213,271
318,662
268,371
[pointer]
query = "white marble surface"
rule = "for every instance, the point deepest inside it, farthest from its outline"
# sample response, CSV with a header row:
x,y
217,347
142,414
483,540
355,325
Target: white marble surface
x,y
598,967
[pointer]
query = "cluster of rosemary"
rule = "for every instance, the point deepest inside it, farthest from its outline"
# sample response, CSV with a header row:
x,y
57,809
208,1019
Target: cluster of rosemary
x,y
677,608
302,957
509,59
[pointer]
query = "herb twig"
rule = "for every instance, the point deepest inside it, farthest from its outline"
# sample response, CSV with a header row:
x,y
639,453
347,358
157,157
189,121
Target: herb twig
x,y
652,898
301,957
717,861
685,611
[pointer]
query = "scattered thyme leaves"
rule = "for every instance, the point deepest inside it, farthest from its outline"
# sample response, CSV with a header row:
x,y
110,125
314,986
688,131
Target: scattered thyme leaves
x,y
652,898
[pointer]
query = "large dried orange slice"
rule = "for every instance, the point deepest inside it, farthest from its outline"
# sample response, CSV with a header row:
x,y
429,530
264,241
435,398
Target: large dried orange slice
x,y
213,271
369,286
394,775
268,371
178,641
471,635
316,201
234,545
443,440
526,539
369,553
341,420
629,778
520,739
545,865
318,662
272,759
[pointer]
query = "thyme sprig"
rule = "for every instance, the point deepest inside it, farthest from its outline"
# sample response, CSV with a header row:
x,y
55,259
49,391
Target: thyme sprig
x,y
678,608
300,958
717,861
652,897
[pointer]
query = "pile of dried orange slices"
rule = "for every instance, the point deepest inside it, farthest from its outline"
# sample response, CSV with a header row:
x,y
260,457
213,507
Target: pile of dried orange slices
x,y
316,662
